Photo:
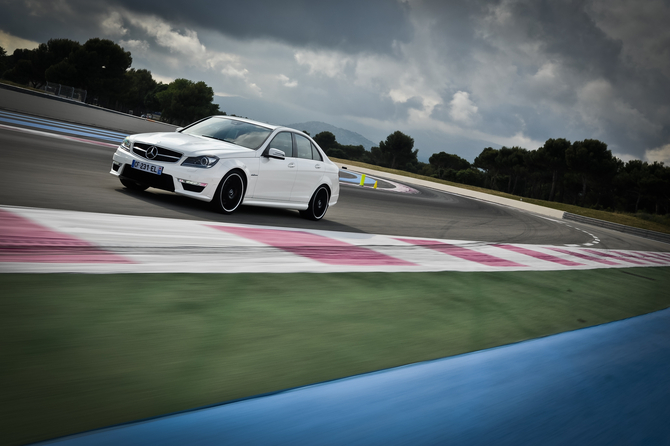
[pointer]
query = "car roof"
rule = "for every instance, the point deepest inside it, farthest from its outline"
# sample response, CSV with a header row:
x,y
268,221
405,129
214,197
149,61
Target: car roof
x,y
250,121
262,124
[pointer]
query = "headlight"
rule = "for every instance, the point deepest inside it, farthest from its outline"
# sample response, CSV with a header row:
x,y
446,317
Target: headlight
x,y
203,161
126,144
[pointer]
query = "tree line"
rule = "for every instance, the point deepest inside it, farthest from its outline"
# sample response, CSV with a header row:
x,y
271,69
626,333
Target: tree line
x,y
582,173
396,152
103,69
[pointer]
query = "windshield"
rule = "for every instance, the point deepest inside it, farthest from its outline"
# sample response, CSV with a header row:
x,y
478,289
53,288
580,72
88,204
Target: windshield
x,y
241,133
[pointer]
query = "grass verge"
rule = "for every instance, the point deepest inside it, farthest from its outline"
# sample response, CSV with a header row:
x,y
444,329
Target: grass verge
x,y
643,221
85,351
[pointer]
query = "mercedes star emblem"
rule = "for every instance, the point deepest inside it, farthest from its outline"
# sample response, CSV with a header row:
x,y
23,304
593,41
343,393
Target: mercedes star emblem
x,y
152,152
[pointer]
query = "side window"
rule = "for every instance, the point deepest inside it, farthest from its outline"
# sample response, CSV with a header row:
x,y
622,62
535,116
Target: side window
x,y
304,147
283,142
316,155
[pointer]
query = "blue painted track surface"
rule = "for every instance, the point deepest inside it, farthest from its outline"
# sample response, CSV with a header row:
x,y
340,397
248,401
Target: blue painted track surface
x,y
60,127
603,385
357,179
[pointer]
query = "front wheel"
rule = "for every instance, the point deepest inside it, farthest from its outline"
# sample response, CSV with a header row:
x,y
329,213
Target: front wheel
x,y
230,193
133,185
318,205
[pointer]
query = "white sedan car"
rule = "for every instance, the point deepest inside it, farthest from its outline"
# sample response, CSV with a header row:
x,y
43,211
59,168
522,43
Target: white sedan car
x,y
231,161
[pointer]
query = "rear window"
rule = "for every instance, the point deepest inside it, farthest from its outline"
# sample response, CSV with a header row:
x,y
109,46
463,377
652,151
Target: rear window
x,y
316,155
304,147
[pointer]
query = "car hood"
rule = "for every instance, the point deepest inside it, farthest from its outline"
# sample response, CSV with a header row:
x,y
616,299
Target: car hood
x,y
190,144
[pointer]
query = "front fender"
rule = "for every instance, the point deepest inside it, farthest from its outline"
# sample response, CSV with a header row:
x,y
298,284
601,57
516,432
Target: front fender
x,y
226,165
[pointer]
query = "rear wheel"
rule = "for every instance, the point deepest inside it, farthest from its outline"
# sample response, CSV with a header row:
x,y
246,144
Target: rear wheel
x,y
129,184
318,205
230,192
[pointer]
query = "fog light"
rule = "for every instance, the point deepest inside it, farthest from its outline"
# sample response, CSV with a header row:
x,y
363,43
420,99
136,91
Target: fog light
x,y
192,183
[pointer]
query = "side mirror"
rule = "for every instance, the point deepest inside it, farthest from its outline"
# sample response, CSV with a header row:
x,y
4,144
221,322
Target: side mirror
x,y
179,129
276,154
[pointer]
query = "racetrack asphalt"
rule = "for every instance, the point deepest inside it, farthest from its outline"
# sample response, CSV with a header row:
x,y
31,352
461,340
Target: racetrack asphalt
x,y
43,172
603,385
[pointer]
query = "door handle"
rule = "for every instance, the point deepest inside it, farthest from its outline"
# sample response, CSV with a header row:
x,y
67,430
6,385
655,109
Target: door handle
x,y
318,166
291,164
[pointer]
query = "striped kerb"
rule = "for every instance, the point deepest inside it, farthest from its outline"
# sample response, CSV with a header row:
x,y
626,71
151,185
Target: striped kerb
x,y
612,256
584,256
316,247
22,240
643,258
539,255
462,253
658,255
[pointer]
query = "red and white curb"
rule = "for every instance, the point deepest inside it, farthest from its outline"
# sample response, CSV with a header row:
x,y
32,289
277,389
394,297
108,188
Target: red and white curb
x,y
50,241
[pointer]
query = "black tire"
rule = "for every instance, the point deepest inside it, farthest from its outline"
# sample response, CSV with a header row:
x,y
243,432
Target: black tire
x,y
129,184
230,193
318,204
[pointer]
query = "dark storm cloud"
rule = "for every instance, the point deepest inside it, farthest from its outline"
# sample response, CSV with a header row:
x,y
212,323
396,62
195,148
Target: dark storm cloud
x,y
348,25
570,35
563,29
541,69
453,27
402,109
41,20
567,32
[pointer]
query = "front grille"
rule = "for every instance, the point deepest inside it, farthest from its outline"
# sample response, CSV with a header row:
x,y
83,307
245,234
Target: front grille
x,y
163,181
164,155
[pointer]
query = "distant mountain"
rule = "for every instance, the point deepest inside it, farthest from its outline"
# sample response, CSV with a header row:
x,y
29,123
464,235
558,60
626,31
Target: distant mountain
x,y
343,136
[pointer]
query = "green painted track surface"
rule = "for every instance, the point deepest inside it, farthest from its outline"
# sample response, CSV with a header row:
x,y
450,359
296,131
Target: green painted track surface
x,y
86,351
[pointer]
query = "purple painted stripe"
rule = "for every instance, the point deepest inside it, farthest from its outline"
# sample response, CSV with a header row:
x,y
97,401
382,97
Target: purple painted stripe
x,y
584,256
619,258
636,256
539,255
659,255
25,241
463,253
315,247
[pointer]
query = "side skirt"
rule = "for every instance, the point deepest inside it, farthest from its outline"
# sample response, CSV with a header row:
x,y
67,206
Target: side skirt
x,y
276,204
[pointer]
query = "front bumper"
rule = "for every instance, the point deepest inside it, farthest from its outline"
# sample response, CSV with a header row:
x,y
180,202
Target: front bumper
x,y
193,182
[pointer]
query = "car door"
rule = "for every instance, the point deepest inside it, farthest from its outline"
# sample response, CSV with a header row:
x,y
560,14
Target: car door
x,y
310,169
276,177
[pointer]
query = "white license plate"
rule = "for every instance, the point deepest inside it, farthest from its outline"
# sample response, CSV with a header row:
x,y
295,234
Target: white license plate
x,y
146,167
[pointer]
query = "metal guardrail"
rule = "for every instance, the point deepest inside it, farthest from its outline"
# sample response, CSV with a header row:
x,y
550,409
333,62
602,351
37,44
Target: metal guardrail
x,y
65,91
653,235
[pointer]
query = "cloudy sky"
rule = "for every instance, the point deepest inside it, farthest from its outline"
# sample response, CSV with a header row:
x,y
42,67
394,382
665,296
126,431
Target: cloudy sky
x,y
456,76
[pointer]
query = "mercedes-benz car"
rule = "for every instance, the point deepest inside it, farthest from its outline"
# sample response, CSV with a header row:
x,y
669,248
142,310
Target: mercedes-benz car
x,y
231,161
